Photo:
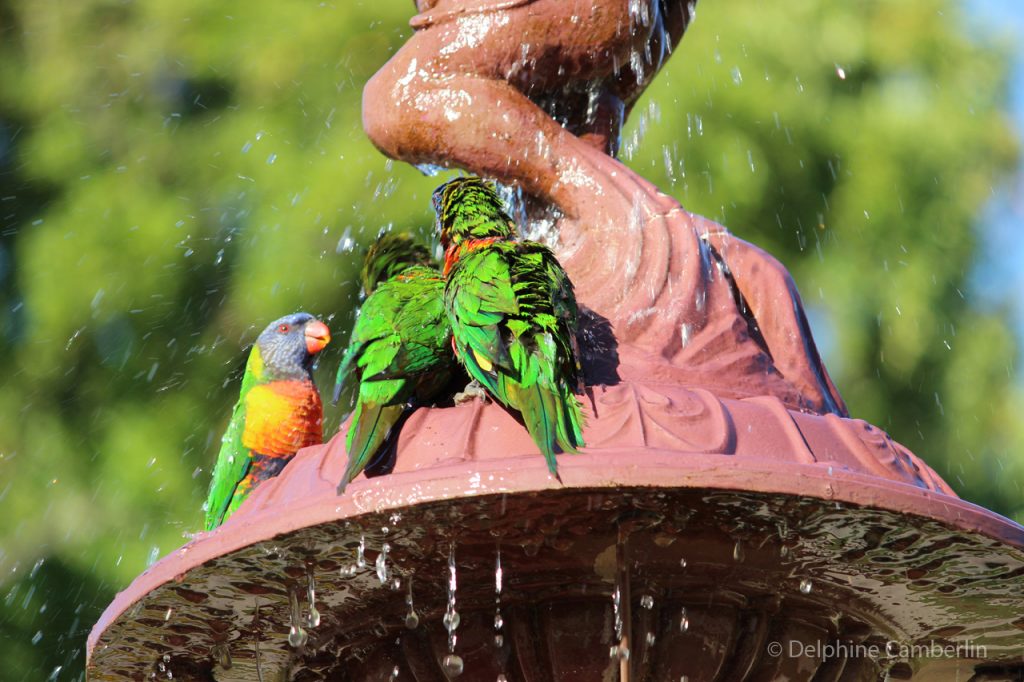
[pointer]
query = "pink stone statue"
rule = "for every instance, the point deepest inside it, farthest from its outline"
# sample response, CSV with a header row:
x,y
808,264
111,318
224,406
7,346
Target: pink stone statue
x,y
533,93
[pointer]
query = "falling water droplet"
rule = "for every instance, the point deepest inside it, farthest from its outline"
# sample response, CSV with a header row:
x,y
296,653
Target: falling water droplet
x,y
382,564
497,574
499,640
738,553
297,636
451,620
451,616
346,243
841,72
682,563
498,620
805,586
684,621
271,159
411,619
361,550
394,673
453,665
647,601
502,678
650,639
313,617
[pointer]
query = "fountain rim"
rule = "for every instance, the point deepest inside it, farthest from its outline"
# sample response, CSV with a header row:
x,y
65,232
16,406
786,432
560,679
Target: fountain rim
x,y
620,470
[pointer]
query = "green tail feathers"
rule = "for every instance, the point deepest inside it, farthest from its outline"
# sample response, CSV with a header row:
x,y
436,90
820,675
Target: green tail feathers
x,y
370,430
550,411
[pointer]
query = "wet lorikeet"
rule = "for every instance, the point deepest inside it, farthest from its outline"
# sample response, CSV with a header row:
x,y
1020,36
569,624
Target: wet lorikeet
x,y
400,350
277,413
513,314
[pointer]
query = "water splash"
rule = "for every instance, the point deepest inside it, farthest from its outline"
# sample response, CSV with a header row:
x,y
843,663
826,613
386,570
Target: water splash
x,y
361,552
429,169
805,586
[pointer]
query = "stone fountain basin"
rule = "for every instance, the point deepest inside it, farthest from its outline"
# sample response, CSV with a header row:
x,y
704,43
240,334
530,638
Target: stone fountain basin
x,y
795,528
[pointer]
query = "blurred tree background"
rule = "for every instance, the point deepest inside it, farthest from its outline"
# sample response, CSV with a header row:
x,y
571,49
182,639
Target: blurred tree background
x,y
175,174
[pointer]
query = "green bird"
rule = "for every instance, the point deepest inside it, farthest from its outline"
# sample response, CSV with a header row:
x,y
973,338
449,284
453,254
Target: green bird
x,y
400,351
513,314
278,412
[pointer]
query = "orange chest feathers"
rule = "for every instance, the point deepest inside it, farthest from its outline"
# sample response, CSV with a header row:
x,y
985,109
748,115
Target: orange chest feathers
x,y
282,417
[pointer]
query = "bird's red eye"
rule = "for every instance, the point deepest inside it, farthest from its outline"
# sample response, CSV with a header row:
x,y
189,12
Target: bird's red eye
x,y
283,328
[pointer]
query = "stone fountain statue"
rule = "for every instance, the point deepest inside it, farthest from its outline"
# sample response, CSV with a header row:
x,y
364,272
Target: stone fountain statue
x,y
534,94
727,520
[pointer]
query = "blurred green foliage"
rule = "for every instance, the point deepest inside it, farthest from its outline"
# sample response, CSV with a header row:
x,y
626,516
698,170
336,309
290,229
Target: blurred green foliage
x,y
173,175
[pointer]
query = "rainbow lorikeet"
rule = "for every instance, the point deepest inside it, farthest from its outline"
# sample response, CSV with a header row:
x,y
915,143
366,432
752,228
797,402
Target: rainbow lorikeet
x,y
400,350
277,413
513,314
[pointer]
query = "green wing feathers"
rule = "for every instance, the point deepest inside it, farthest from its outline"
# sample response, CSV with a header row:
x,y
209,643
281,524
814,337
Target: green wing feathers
x,y
514,320
233,460
400,355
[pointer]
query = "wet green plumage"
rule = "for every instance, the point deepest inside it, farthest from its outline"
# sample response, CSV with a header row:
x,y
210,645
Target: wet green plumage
x,y
400,350
513,314
233,461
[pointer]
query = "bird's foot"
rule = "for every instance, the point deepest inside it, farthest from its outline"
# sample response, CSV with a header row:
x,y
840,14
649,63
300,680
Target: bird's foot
x,y
472,390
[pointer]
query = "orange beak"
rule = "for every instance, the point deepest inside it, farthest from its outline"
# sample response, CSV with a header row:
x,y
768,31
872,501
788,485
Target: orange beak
x,y
317,336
